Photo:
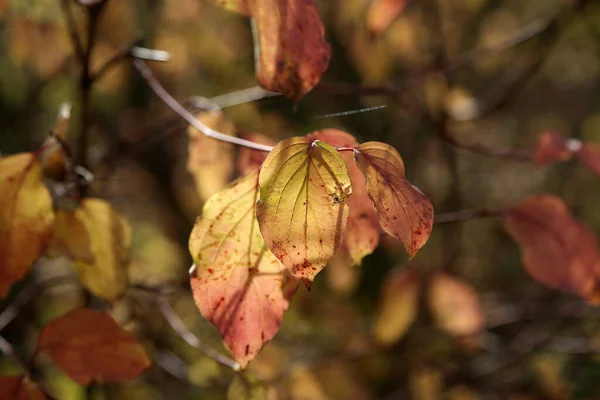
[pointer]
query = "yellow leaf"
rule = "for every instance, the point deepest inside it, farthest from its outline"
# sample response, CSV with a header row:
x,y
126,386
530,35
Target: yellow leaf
x,y
97,238
210,161
237,283
403,210
26,217
302,209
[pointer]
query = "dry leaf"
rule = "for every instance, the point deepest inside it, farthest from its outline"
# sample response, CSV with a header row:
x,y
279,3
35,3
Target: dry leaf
x,y
556,249
382,13
210,161
97,239
19,388
362,230
302,208
398,305
403,210
455,306
237,283
26,218
90,347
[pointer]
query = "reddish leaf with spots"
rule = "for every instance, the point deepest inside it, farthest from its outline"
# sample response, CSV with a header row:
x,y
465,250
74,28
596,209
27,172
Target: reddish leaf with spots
x,y
19,388
89,346
382,13
238,284
302,208
292,52
403,210
552,147
249,159
361,236
26,217
556,249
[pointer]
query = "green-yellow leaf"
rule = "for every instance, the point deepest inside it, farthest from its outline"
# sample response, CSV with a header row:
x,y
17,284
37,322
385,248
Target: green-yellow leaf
x,y
26,217
303,208
238,282
97,238
403,210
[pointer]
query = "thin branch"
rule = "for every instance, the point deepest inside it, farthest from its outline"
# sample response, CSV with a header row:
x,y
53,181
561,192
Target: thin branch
x,y
170,101
232,99
465,215
72,28
178,326
121,55
511,154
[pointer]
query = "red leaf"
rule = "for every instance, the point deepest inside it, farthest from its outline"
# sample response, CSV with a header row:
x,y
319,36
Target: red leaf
x,y
362,229
589,155
403,210
249,159
557,250
89,346
292,53
19,388
552,147
382,13
238,282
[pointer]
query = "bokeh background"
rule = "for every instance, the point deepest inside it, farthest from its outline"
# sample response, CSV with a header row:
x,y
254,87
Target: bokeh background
x,y
496,73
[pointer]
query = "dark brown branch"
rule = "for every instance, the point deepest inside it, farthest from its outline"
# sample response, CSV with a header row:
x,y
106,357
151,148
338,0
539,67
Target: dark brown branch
x,y
465,215
121,55
72,29
484,150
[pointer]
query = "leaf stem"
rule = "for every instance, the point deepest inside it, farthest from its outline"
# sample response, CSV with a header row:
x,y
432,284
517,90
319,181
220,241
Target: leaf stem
x,y
174,105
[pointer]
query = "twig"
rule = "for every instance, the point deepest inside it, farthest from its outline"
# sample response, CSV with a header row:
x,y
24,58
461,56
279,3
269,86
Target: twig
x,y
72,28
191,339
121,55
512,154
465,215
170,101
232,99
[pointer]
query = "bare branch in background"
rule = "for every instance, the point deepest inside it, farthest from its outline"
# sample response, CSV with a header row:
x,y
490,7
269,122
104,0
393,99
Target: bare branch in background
x,y
465,215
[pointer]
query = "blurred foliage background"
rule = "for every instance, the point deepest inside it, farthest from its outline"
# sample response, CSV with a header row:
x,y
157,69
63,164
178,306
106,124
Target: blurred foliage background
x,y
431,69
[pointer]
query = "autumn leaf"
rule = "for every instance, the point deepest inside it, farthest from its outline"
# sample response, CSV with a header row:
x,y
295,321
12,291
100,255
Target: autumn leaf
x,y
19,388
556,249
362,230
455,306
291,50
210,161
237,283
382,13
90,347
589,155
26,217
398,305
403,210
550,148
249,159
97,238
302,208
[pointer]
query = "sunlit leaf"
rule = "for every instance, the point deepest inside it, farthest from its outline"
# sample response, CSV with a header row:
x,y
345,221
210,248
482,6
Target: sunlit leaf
x,y
382,13
589,155
237,283
403,210
291,52
19,388
26,218
90,347
361,236
210,161
398,305
556,249
551,148
97,238
455,305
248,159
302,208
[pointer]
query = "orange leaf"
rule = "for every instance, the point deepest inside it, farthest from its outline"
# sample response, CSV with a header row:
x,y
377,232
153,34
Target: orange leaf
x,y
552,147
403,210
455,306
302,208
556,249
237,283
589,155
26,217
362,230
292,53
89,346
19,388
398,305
249,159
382,13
